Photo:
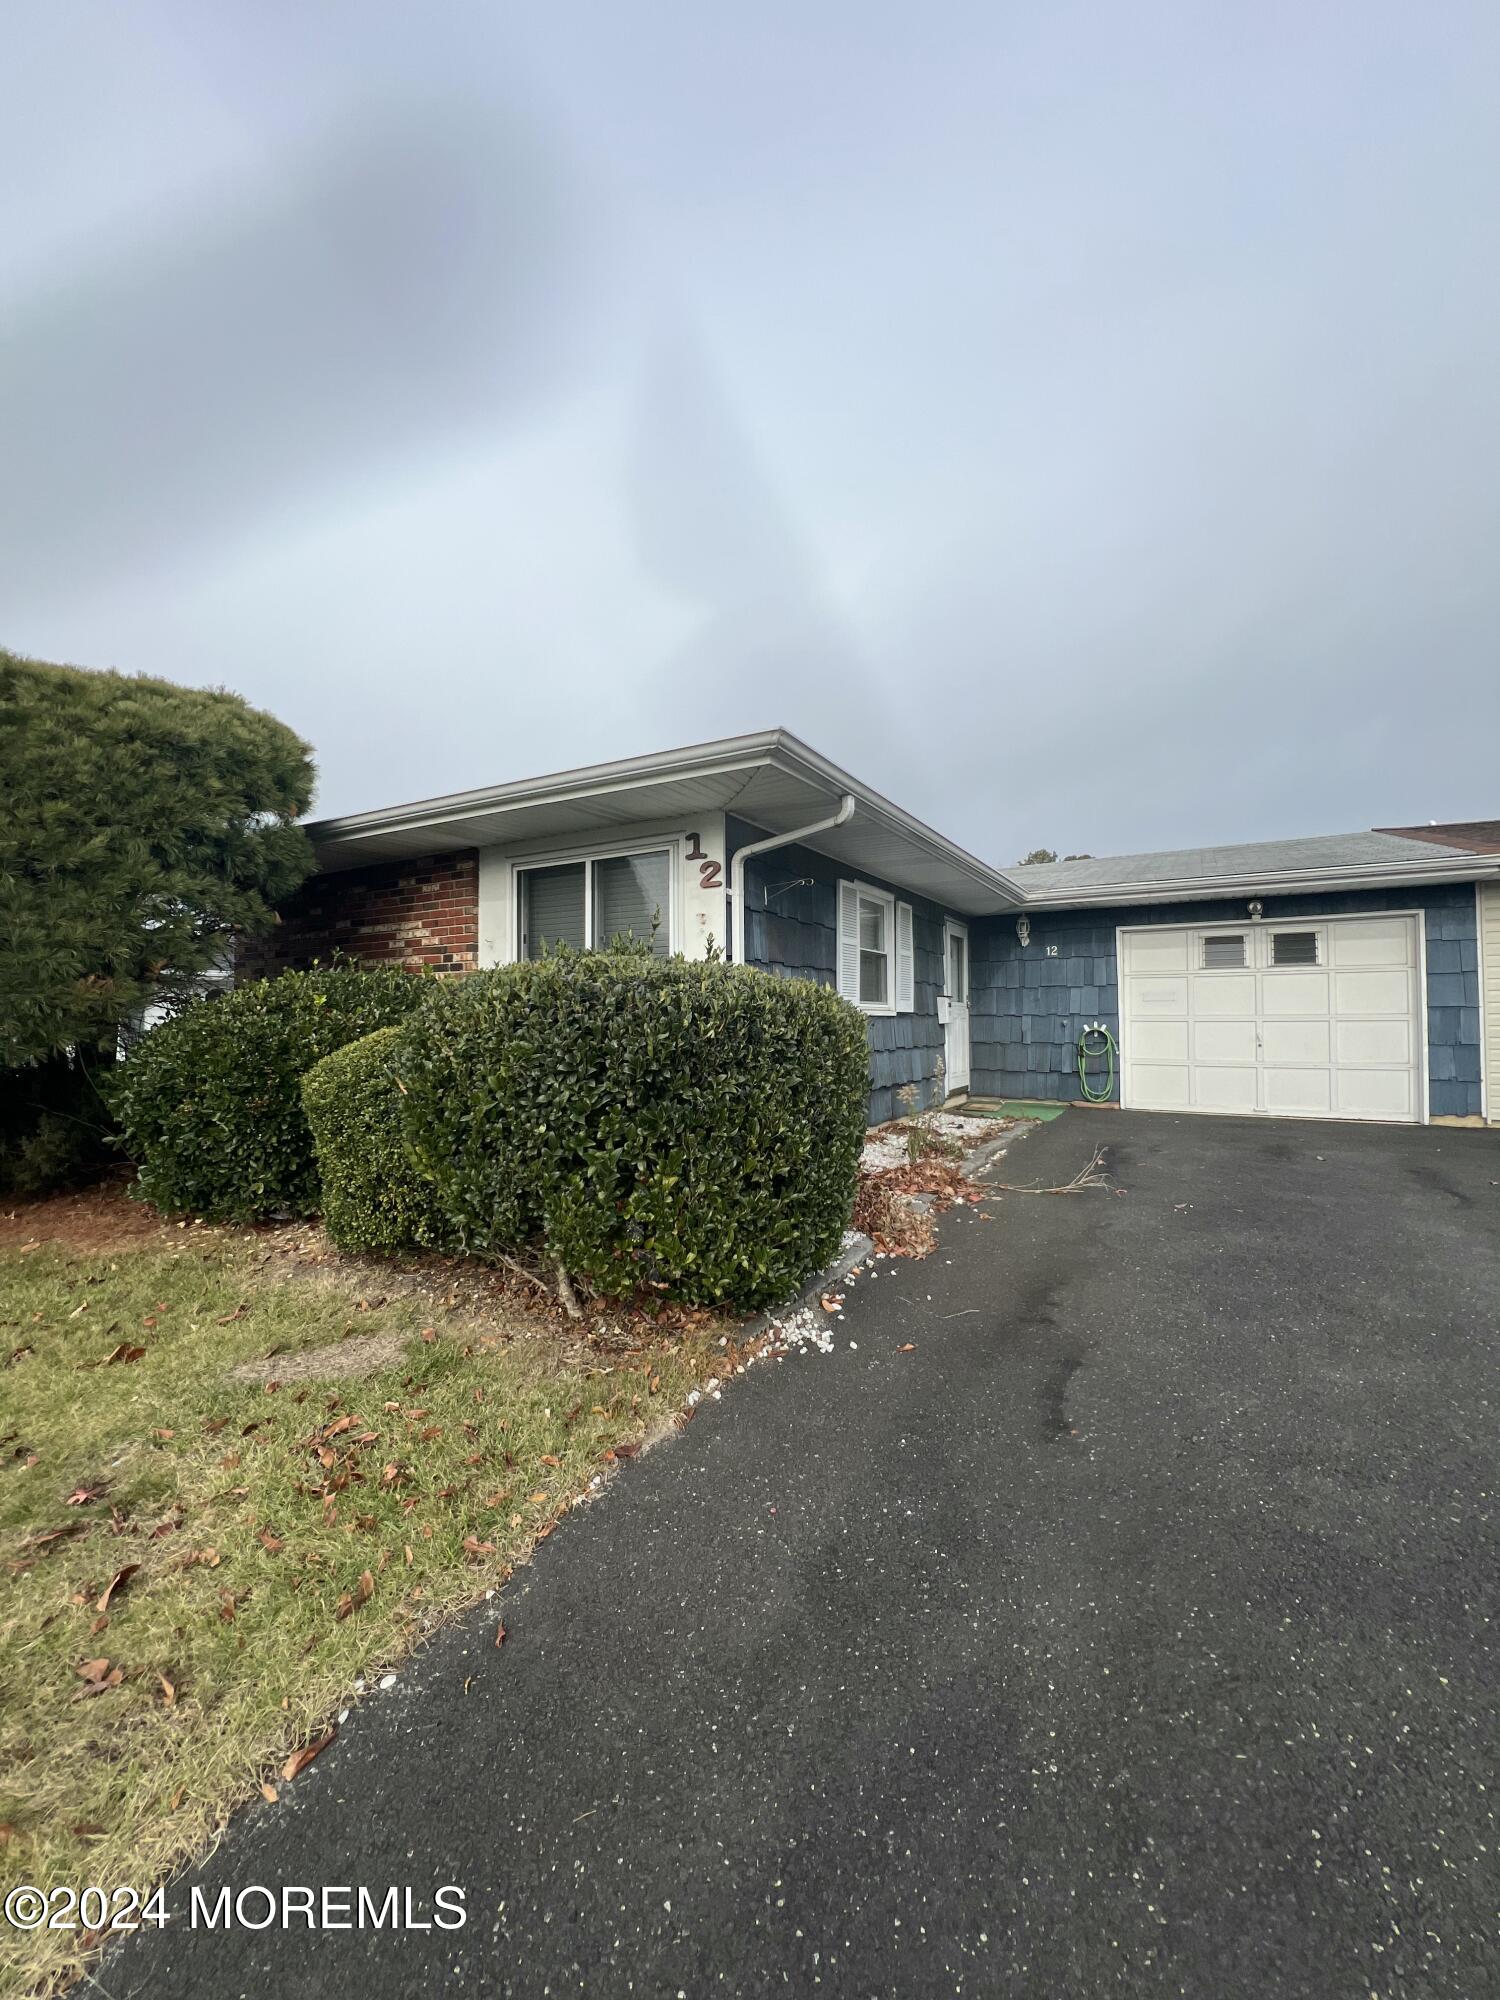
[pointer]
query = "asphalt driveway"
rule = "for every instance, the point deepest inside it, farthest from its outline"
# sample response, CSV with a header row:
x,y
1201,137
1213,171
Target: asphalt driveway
x,y
1135,1633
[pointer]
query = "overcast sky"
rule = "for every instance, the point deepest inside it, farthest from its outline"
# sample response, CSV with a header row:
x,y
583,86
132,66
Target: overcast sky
x,y
1081,421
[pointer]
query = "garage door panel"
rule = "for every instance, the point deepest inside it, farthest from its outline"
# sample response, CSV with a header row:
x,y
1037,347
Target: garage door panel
x,y
1159,996
1381,943
1224,1041
1224,993
1339,1037
1225,1088
1297,1042
1306,1090
1374,1042
1161,1086
1376,1093
1295,993
1160,1041
1373,993
1156,951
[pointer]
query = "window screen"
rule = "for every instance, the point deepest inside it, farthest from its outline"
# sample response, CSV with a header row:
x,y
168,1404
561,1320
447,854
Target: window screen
x,y
551,908
873,971
1224,951
958,968
1294,947
631,894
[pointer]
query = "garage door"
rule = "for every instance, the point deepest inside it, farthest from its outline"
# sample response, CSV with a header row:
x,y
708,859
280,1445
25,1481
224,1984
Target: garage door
x,y
1298,1020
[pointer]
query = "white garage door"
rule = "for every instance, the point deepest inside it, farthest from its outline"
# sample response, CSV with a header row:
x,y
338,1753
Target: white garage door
x,y
1292,1020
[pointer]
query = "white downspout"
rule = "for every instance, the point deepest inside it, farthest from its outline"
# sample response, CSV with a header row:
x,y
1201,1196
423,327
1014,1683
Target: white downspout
x,y
737,868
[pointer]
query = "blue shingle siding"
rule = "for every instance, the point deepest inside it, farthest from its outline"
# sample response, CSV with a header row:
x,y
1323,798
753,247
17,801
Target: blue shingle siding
x,y
1028,1009
794,933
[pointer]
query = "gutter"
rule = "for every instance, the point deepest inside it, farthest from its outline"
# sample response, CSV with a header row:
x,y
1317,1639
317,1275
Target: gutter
x,y
743,854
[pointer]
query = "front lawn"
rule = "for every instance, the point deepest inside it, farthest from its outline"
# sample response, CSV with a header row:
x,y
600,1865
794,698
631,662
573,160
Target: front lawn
x,y
197,1568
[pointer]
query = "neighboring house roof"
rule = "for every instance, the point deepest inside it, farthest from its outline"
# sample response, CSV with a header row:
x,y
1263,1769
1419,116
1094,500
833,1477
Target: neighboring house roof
x,y
779,783
771,779
1323,861
1476,836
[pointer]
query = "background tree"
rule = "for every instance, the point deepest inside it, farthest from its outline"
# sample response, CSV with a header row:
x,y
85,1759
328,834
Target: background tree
x,y
1037,854
141,826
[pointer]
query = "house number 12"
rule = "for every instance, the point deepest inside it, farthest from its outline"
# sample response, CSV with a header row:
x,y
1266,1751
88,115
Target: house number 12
x,y
710,873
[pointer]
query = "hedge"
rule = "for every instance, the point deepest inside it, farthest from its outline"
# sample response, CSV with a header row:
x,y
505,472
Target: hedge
x,y
210,1103
694,1127
374,1196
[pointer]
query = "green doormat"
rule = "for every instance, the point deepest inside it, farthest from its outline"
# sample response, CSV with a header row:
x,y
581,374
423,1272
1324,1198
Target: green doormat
x,y
1015,1107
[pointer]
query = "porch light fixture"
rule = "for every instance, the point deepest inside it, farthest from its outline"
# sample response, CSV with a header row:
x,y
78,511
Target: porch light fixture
x,y
1257,910
1023,931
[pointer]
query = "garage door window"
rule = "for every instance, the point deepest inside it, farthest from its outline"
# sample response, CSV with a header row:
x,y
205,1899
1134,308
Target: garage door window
x,y
1294,947
1224,951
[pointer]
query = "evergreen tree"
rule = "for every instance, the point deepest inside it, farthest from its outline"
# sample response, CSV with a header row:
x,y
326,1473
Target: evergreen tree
x,y
141,825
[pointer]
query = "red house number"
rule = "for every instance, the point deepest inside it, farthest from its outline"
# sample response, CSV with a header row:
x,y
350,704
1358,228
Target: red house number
x,y
710,874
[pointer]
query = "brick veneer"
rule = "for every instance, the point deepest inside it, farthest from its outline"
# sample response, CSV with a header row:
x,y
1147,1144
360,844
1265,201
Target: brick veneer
x,y
397,913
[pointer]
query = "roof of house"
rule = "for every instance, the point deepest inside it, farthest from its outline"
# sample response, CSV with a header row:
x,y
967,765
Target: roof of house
x,y
779,784
1209,868
771,779
1476,836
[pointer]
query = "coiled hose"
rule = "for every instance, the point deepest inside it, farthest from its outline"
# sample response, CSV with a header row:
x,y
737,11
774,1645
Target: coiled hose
x,y
1092,1044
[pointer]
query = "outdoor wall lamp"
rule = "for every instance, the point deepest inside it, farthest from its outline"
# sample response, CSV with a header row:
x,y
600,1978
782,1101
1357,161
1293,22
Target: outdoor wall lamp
x,y
1023,931
1257,910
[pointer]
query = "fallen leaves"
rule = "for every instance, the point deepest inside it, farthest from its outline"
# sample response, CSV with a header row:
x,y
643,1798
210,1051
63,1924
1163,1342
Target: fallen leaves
x,y
168,1692
299,1760
353,1600
98,1677
118,1581
501,1635
124,1352
82,1495
228,1319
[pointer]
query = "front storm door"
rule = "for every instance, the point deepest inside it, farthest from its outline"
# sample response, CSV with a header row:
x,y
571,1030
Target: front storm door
x,y
956,990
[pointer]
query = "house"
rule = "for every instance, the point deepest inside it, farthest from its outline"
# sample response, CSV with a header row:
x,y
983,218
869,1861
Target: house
x,y
1348,976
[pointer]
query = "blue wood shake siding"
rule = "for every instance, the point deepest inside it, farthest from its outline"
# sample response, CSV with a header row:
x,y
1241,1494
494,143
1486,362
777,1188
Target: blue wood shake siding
x,y
1028,1009
794,933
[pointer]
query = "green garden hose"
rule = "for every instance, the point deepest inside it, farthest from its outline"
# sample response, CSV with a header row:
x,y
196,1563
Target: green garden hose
x,y
1096,1041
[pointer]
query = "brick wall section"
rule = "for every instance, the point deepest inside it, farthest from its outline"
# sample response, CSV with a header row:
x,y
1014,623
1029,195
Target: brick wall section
x,y
415,913
1028,1009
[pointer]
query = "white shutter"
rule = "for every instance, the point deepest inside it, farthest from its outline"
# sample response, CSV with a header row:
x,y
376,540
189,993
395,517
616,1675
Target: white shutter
x,y
849,941
906,998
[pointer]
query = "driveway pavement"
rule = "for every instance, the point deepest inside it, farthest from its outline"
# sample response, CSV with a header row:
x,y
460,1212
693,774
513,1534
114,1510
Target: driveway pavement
x,y
1133,1634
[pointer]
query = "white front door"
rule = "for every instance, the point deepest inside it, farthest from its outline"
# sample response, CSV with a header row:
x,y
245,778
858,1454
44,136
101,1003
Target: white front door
x,y
1316,1017
956,993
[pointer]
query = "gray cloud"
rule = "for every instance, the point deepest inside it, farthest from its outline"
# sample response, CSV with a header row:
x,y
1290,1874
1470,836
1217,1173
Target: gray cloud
x,y
1081,425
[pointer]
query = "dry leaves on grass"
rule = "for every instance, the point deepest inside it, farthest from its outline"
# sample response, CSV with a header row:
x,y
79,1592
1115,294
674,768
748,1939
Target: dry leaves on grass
x,y
300,1759
353,1600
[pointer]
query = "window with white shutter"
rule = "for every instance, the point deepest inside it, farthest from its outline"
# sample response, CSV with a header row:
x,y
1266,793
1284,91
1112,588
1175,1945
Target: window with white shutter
x,y
868,948
906,996
849,941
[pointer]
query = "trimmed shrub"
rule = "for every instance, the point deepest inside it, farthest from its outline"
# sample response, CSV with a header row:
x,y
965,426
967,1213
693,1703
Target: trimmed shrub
x,y
210,1104
690,1126
374,1196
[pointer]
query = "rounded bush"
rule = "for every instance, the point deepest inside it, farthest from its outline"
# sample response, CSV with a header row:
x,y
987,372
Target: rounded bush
x,y
374,1196
696,1127
210,1103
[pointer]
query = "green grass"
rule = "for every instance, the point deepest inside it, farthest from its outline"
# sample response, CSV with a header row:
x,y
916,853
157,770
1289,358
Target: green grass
x,y
285,1541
